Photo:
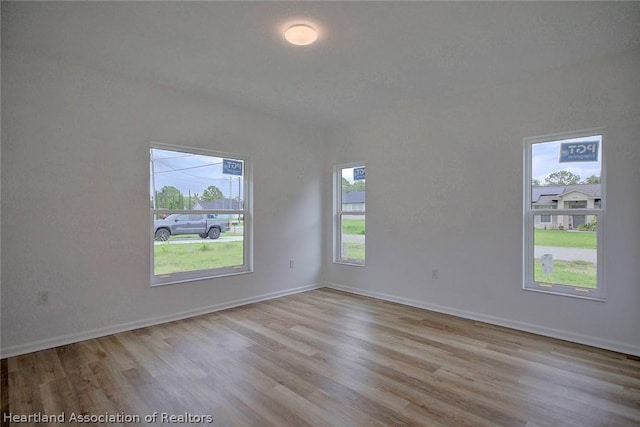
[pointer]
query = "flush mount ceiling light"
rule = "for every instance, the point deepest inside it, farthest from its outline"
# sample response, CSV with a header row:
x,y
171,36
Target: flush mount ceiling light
x,y
300,35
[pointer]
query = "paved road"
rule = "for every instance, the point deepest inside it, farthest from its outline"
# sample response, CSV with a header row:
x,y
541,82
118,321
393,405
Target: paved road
x,y
353,238
566,254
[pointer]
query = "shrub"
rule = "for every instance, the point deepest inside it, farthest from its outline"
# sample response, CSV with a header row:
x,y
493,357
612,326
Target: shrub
x,y
590,226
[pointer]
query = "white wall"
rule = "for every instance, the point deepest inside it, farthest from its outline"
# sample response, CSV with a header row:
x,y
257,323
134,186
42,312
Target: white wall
x,y
444,190
75,189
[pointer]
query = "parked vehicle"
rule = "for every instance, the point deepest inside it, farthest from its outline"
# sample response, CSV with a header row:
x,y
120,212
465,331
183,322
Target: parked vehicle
x,y
204,225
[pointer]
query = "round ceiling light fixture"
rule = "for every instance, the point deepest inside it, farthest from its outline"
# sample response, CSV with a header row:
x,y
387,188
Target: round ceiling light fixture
x,y
301,35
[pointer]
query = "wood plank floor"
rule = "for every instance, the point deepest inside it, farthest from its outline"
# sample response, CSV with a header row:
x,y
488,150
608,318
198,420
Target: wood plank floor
x,y
328,358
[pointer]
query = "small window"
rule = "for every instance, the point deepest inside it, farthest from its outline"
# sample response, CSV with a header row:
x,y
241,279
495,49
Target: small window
x,y
194,193
349,214
564,214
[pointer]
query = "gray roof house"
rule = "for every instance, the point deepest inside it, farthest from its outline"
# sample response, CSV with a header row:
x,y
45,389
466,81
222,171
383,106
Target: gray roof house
x,y
225,203
353,201
550,194
577,196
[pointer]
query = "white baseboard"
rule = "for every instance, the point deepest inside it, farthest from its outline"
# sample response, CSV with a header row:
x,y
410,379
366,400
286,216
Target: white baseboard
x,y
521,326
30,347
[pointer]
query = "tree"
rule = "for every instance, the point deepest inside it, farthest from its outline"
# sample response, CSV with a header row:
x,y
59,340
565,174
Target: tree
x,y
358,186
211,193
562,178
169,197
535,183
348,187
593,179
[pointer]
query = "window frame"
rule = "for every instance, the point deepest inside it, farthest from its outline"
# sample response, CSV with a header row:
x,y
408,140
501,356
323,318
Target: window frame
x,y
246,212
338,215
529,213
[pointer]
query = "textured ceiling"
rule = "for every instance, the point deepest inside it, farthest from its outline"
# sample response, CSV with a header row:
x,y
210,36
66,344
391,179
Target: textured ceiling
x,y
369,56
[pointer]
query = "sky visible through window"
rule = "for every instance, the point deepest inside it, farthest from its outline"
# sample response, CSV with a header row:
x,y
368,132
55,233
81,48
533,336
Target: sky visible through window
x,y
546,160
347,174
192,173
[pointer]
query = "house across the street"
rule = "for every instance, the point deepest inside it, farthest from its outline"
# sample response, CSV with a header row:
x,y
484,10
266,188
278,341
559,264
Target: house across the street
x,y
222,204
353,201
577,196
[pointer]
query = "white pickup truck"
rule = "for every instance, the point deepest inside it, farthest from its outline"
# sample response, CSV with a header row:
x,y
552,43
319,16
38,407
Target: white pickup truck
x,y
204,225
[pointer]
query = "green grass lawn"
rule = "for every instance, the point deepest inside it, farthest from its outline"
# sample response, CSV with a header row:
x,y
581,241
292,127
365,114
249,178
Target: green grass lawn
x,y
581,274
171,258
353,226
196,237
566,239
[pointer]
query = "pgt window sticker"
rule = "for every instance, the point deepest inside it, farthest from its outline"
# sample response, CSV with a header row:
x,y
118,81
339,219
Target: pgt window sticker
x,y
586,151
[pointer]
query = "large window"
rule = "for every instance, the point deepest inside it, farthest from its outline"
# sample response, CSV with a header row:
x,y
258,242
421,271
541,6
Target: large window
x,y
200,214
564,214
349,214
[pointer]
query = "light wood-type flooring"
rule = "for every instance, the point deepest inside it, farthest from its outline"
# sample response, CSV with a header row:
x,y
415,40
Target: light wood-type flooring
x,y
328,358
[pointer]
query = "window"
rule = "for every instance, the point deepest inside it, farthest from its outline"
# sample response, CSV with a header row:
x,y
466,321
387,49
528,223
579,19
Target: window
x,y
200,214
349,214
564,214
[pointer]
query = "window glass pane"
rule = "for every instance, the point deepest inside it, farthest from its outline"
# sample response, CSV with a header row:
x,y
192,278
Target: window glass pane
x,y
565,174
350,216
182,180
353,189
564,255
192,247
200,239
352,231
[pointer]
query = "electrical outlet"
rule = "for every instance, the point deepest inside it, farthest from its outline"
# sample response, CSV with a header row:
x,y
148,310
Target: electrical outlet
x,y
434,274
292,263
43,297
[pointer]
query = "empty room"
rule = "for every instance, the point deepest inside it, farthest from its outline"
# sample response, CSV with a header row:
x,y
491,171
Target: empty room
x,y
187,236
